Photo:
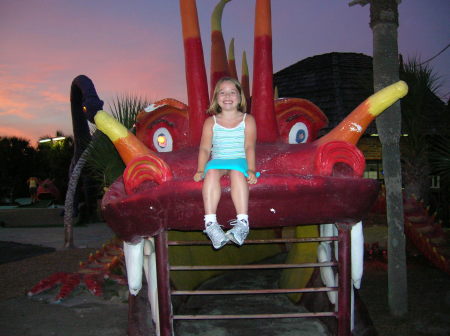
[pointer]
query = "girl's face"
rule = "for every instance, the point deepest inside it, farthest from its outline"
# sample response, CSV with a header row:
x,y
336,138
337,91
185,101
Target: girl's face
x,y
228,96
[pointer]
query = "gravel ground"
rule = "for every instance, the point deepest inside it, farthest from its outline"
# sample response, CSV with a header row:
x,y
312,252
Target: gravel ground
x,y
428,295
428,301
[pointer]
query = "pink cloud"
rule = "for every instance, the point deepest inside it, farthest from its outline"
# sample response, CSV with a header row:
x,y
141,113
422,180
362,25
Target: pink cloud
x,y
55,96
11,104
13,131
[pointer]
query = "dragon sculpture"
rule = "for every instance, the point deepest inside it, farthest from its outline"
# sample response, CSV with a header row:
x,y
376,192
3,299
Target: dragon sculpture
x,y
304,179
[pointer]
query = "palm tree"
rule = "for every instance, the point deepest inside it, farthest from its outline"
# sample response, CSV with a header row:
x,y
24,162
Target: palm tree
x,y
440,166
421,114
384,24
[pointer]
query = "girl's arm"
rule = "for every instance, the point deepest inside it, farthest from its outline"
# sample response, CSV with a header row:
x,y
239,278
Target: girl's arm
x,y
205,148
250,143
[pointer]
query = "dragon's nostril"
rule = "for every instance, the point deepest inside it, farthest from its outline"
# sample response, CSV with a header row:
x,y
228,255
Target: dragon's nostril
x,y
341,169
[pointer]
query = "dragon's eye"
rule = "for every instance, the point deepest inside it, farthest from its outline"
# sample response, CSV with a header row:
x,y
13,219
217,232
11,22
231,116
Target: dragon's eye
x,y
298,133
162,140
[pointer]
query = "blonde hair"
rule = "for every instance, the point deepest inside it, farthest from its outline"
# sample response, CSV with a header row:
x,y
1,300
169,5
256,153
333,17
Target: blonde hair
x,y
214,108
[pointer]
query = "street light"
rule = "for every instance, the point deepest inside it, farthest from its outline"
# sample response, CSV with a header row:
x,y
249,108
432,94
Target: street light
x,y
59,138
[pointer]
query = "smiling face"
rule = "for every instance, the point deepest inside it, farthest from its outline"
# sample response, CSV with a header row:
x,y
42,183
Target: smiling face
x,y
228,96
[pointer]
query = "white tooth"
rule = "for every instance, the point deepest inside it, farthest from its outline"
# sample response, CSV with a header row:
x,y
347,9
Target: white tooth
x,y
134,260
357,253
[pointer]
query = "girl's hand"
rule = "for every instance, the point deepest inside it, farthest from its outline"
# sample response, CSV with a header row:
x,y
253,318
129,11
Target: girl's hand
x,y
251,177
198,176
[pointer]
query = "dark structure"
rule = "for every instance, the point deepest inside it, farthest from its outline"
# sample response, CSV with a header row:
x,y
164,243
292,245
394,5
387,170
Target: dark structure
x,y
335,82
338,82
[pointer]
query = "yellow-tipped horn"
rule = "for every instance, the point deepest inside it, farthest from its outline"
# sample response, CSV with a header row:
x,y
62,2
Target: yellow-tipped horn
x,y
354,125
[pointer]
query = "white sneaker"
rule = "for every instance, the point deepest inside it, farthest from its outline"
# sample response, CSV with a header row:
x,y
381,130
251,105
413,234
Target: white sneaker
x,y
215,234
239,231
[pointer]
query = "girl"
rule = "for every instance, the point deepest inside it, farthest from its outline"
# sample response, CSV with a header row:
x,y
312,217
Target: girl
x,y
229,136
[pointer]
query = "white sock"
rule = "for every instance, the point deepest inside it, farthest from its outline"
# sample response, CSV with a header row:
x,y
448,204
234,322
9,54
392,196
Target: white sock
x,y
243,217
211,218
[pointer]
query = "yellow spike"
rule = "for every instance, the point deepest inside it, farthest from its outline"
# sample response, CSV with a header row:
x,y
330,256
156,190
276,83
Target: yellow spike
x,y
216,17
244,64
231,50
110,126
384,98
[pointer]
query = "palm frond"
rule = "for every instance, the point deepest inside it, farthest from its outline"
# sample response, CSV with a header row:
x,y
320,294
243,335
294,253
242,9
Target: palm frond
x,y
103,161
125,109
440,157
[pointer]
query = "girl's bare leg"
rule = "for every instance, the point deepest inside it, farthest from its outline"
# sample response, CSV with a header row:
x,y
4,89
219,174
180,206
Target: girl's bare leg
x,y
239,191
211,190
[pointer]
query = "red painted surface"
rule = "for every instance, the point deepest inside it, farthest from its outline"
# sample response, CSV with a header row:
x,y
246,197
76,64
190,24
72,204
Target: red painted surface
x,y
422,229
172,115
162,275
262,92
232,68
219,62
289,111
289,192
48,190
197,88
345,283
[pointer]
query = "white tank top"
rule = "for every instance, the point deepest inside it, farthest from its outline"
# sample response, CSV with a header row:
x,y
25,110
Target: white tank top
x,y
228,143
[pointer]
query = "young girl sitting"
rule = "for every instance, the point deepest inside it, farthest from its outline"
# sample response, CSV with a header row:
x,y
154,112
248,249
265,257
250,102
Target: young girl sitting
x,y
229,137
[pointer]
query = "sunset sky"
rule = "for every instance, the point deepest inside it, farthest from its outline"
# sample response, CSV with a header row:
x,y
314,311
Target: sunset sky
x,y
135,47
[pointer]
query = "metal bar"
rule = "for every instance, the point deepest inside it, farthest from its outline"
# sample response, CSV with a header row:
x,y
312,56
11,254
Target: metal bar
x,y
162,276
344,268
253,291
255,241
252,266
254,316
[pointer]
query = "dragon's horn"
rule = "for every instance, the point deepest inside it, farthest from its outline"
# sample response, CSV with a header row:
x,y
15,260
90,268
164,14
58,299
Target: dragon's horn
x,y
245,81
142,164
196,82
231,60
219,63
353,126
262,101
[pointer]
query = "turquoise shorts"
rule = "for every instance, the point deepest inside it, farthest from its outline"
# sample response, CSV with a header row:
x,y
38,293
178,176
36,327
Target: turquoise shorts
x,y
233,164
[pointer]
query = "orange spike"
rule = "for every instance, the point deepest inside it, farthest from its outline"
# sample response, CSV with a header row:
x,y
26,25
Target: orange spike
x,y
196,82
219,63
231,60
262,93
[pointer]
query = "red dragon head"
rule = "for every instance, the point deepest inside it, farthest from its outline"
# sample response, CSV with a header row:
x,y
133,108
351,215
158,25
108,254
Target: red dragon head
x,y
304,179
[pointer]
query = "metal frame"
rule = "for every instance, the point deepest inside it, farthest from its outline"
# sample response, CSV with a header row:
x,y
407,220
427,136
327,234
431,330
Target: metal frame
x,y
344,285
